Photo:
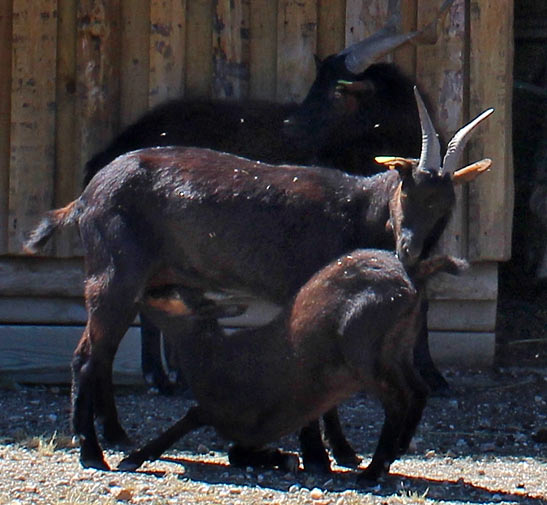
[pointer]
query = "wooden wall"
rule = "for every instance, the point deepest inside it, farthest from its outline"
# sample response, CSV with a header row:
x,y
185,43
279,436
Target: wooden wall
x,y
76,72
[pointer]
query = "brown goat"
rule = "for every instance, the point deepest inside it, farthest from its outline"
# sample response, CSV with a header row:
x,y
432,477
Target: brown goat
x,y
352,327
220,223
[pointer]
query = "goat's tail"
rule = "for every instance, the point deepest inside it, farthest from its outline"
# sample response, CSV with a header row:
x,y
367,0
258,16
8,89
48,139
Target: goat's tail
x,y
430,266
54,219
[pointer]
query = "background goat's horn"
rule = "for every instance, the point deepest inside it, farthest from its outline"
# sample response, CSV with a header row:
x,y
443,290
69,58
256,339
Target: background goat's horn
x,y
361,55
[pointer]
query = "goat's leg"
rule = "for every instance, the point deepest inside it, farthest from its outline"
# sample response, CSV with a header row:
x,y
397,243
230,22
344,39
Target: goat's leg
x,y
82,415
151,361
395,400
263,458
422,357
112,286
341,449
416,407
314,455
193,420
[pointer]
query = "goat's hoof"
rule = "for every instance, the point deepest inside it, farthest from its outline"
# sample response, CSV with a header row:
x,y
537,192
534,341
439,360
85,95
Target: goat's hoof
x,y
128,465
96,463
318,463
348,459
291,463
372,473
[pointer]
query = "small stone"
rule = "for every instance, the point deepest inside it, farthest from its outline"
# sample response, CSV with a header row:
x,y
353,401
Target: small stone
x,y
316,493
294,488
235,490
429,454
124,495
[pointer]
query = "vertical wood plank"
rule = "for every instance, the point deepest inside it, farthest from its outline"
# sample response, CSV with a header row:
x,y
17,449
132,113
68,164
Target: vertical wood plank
x,y
440,71
231,48
491,77
199,64
296,45
263,50
98,86
167,50
5,106
135,24
67,179
405,56
364,19
33,115
331,30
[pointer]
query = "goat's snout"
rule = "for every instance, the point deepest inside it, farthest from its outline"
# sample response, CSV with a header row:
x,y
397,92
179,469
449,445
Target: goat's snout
x,y
408,249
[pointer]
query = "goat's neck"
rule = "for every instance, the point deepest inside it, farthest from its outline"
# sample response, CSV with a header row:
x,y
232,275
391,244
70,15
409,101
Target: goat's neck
x,y
377,193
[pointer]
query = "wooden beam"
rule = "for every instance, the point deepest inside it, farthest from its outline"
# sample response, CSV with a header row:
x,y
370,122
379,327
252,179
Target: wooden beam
x,y
41,277
331,27
135,42
231,49
491,196
97,75
168,26
296,45
42,354
480,282
199,64
462,315
441,74
263,50
32,145
56,311
68,180
5,117
463,349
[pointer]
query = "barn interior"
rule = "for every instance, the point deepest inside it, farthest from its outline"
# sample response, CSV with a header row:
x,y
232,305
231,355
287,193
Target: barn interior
x,y
522,311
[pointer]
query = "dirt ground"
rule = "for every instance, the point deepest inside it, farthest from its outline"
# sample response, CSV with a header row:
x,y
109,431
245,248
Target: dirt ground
x,y
485,443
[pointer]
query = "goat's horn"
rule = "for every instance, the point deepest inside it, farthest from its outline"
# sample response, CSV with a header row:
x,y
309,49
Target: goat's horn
x,y
430,156
458,142
429,34
362,54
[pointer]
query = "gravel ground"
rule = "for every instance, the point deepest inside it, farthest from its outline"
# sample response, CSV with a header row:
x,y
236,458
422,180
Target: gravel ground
x,y
485,443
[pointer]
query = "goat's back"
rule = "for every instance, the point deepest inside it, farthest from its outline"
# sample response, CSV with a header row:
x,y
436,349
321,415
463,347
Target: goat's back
x,y
230,221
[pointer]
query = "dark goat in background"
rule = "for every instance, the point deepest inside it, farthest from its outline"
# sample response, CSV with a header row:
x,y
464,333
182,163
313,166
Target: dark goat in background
x,y
217,222
352,327
355,110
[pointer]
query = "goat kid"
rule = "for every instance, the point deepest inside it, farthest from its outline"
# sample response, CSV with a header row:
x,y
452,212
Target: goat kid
x,y
351,328
217,222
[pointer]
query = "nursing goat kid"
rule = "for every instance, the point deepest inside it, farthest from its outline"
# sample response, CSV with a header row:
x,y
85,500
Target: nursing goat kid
x,y
215,222
352,327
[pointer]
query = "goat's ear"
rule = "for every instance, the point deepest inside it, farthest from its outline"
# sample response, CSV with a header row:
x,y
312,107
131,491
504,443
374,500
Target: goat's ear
x,y
403,165
471,172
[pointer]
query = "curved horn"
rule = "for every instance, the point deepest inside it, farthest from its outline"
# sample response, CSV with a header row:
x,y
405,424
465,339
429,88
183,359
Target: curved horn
x,y
430,156
362,54
458,142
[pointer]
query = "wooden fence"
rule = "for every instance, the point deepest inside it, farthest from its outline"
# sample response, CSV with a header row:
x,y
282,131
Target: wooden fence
x,y
74,72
